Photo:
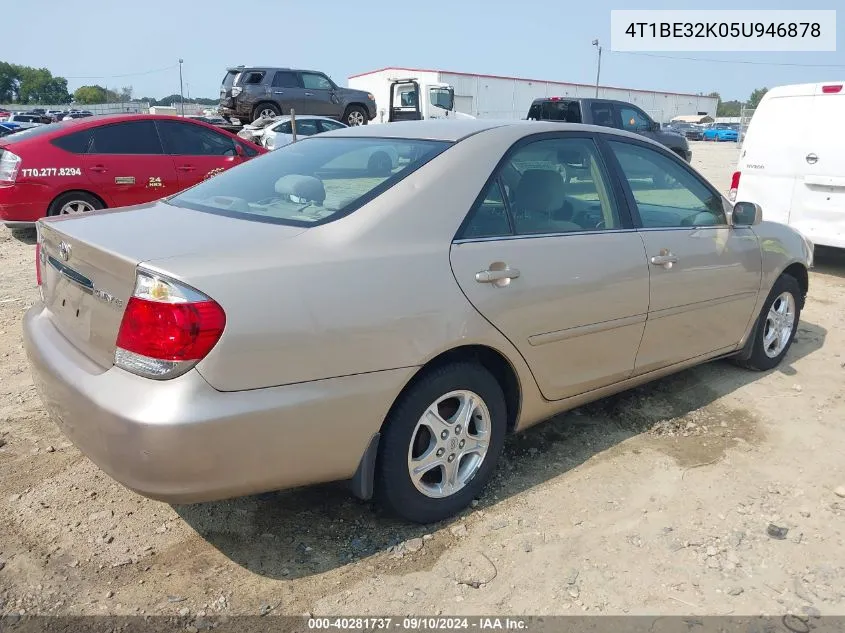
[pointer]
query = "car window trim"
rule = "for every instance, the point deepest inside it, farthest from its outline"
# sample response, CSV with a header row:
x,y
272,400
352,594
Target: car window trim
x,y
629,194
626,222
105,125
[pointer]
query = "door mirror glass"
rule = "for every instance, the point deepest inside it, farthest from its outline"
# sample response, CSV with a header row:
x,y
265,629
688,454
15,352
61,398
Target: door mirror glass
x,y
746,214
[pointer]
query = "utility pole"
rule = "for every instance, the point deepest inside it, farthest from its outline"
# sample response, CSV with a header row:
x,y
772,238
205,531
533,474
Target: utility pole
x,y
598,69
181,93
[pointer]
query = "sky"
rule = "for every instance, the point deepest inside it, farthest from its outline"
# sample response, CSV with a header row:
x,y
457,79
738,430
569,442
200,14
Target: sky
x,y
118,43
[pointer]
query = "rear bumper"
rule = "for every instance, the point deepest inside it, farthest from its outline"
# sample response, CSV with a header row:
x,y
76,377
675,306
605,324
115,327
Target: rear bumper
x,y
181,441
23,203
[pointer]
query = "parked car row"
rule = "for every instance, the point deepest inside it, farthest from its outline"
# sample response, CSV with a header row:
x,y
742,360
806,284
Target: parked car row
x,y
40,116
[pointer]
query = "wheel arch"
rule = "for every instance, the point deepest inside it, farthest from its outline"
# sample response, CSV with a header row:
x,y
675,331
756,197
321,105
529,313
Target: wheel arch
x,y
799,272
264,102
356,104
78,190
362,482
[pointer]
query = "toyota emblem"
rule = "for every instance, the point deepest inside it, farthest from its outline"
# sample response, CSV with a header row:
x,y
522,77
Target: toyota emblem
x,y
64,251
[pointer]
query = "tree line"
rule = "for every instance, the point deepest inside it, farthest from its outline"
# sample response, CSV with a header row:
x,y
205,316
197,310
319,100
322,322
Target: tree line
x,y
734,108
37,86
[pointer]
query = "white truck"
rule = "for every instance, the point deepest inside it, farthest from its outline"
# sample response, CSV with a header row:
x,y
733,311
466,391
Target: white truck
x,y
407,99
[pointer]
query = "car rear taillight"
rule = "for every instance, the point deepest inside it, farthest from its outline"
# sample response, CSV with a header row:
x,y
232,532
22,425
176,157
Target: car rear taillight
x,y
10,165
832,89
734,186
167,328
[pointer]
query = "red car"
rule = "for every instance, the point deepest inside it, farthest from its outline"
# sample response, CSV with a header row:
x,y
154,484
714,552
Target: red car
x,y
109,161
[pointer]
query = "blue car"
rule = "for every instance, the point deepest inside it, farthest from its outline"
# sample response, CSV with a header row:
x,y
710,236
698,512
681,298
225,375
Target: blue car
x,y
722,132
9,128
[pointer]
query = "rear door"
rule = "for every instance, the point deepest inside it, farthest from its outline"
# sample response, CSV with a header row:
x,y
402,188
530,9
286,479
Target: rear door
x,y
553,263
127,165
705,274
197,152
818,202
286,91
603,113
773,153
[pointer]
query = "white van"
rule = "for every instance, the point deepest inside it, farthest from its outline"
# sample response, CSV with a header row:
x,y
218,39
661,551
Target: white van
x,y
792,161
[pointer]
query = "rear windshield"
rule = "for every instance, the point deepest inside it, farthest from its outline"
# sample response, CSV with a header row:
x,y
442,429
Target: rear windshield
x,y
311,182
229,79
567,111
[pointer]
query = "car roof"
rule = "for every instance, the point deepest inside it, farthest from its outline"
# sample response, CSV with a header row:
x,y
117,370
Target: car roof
x,y
454,130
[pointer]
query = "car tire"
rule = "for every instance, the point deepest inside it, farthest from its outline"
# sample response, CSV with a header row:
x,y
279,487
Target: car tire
x,y
265,108
355,115
74,203
406,439
779,319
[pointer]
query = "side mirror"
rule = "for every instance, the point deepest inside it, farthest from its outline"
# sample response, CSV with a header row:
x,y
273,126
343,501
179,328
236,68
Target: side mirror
x,y
654,126
746,214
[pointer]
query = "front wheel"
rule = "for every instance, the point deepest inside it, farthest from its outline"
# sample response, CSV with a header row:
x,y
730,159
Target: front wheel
x,y
355,115
441,443
776,325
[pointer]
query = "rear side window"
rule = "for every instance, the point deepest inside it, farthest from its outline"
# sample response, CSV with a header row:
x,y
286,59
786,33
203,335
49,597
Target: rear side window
x,y
252,78
603,114
76,143
131,137
285,79
311,182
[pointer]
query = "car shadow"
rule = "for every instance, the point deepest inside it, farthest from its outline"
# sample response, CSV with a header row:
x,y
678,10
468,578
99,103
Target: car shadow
x,y
829,261
307,531
27,236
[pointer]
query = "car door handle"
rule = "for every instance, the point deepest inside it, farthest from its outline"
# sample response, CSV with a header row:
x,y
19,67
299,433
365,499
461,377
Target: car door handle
x,y
665,259
493,276
186,168
278,92
100,169
811,158
309,94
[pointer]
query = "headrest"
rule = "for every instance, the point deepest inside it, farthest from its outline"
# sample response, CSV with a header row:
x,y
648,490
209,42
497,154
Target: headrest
x,y
305,187
540,190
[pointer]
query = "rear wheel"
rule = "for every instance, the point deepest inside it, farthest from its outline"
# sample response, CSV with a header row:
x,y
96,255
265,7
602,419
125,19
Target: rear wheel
x,y
74,203
776,325
441,443
265,110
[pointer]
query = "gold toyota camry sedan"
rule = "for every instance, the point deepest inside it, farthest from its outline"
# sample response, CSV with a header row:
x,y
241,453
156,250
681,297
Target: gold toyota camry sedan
x,y
326,312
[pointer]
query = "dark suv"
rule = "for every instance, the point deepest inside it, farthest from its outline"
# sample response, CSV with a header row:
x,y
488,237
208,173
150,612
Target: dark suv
x,y
608,113
248,93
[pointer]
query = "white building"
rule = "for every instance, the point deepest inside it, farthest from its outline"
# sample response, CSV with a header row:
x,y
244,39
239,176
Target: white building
x,y
495,97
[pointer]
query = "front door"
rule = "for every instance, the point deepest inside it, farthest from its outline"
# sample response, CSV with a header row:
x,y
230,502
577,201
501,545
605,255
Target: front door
x,y
705,274
127,165
319,96
551,261
818,201
632,119
197,152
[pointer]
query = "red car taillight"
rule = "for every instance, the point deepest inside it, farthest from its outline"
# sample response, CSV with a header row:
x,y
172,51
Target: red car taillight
x,y
10,165
734,186
167,328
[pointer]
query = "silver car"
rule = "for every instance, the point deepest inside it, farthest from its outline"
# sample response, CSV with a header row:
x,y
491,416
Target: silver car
x,y
305,318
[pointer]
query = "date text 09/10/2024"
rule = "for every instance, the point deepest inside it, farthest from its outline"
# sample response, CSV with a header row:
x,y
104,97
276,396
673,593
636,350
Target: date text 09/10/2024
x,y
417,624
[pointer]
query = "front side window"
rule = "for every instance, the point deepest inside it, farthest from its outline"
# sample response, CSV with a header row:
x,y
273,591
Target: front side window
x,y
633,120
549,186
441,98
187,139
131,137
313,81
312,182
666,194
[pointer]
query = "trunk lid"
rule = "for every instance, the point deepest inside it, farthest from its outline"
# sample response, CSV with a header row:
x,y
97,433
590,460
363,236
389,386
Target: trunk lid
x,y
88,263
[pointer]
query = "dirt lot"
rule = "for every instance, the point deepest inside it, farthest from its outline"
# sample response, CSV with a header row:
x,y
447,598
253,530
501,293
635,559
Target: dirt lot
x,y
656,501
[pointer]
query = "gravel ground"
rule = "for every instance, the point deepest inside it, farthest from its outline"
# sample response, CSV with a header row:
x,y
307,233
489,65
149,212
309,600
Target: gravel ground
x,y
656,501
